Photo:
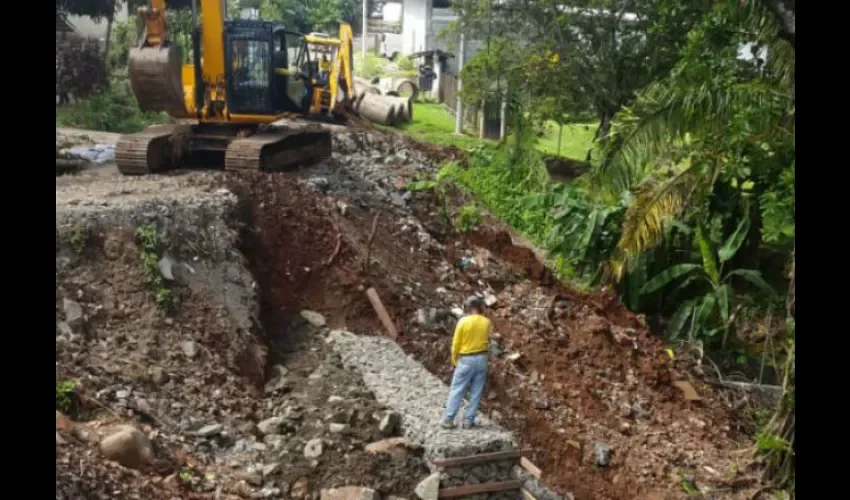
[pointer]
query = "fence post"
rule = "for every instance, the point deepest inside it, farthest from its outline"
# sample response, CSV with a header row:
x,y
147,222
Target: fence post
x,y
459,104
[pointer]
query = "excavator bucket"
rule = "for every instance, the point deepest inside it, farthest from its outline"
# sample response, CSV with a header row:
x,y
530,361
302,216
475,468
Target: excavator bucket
x,y
156,75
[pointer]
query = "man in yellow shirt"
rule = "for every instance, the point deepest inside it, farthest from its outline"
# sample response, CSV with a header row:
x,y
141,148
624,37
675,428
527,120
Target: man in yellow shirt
x,y
470,349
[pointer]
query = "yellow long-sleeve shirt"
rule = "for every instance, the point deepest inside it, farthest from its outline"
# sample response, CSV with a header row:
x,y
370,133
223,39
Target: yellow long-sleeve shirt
x,y
472,335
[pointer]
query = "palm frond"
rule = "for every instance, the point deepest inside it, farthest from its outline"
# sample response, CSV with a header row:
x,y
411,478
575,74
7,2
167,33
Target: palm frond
x,y
667,112
655,203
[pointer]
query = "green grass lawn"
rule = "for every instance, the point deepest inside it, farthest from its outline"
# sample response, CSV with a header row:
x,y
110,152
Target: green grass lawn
x,y
433,123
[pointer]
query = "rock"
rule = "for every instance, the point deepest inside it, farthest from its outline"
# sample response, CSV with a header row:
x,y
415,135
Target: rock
x,y
73,314
128,446
389,424
314,318
514,356
270,469
209,430
313,448
337,428
157,375
342,206
396,446
350,493
251,477
601,454
270,425
490,300
166,267
496,348
457,312
398,200
429,488
335,399
321,182
300,488
190,348
270,492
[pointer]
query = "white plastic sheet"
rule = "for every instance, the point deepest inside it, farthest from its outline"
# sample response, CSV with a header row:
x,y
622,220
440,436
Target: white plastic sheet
x,y
97,154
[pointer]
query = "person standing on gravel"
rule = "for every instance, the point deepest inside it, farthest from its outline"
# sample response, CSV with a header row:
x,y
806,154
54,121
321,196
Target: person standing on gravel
x,y
470,349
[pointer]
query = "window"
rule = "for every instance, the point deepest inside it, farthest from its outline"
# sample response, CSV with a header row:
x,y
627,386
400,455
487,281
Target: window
x,y
441,4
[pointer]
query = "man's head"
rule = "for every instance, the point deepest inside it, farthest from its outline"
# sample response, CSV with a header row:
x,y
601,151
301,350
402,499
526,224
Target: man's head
x,y
474,305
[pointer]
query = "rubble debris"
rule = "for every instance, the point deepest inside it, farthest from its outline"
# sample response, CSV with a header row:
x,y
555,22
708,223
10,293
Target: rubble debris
x,y
429,488
314,318
128,446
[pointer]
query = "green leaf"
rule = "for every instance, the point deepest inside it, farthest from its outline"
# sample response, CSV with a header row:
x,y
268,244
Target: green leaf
x,y
754,277
708,261
677,321
666,276
706,307
733,244
722,293
421,185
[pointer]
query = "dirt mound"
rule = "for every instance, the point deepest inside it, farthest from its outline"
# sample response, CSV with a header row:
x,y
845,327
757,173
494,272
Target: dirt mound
x,y
578,378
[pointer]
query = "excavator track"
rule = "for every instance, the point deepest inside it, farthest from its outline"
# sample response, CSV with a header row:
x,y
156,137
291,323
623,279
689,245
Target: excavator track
x,y
148,152
277,150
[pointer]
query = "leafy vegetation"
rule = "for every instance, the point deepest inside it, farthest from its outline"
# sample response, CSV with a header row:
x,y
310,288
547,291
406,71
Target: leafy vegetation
x,y
152,245
66,396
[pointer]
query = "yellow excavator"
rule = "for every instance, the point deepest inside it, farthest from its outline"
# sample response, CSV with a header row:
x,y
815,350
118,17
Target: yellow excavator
x,y
245,75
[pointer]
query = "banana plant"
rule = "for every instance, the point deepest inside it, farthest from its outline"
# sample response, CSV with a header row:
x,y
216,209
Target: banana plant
x,y
701,313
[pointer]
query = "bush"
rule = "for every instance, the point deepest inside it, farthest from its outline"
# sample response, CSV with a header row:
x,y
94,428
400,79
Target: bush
x,y
80,67
114,110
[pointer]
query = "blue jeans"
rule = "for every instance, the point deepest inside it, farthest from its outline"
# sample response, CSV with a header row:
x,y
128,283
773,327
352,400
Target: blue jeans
x,y
470,371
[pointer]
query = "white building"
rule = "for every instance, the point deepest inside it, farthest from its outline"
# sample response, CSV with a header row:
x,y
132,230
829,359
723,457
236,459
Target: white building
x,y
86,27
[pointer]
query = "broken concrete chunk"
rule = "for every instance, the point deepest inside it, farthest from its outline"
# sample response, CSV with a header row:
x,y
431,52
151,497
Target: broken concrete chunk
x,y
128,446
429,488
270,425
190,348
314,318
490,300
313,448
389,424
337,428
73,314
166,267
396,446
514,356
350,493
209,430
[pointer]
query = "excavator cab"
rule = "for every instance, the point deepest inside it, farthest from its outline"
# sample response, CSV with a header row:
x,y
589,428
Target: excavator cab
x,y
263,77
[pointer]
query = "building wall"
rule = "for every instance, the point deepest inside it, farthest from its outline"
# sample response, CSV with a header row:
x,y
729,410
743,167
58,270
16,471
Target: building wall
x,y
86,27
415,28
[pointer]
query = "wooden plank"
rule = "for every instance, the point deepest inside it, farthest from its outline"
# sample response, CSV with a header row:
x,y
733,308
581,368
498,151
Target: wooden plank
x,y
474,489
526,495
688,390
382,312
530,467
482,458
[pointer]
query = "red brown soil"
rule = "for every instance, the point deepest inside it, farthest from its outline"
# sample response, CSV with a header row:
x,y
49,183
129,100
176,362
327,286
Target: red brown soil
x,y
590,357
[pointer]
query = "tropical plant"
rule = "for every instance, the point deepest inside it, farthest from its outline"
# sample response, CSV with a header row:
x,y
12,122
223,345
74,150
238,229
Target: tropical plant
x,y
708,313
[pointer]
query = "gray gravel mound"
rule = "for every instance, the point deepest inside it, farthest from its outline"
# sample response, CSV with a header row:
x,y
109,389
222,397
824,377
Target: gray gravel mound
x,y
404,385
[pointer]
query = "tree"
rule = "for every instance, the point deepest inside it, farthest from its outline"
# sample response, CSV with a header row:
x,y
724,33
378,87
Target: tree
x,y
608,49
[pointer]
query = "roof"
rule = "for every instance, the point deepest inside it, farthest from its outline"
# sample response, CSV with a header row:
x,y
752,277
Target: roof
x,y
62,24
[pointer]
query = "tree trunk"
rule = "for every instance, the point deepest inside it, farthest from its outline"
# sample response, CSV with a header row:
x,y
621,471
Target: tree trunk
x,y
560,133
109,21
601,134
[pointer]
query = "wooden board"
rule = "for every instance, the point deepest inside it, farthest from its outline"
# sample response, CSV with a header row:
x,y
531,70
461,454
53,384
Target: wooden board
x,y
474,489
530,467
482,458
383,315
688,390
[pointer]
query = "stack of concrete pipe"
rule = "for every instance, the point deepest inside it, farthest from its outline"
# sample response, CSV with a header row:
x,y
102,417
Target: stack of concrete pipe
x,y
384,107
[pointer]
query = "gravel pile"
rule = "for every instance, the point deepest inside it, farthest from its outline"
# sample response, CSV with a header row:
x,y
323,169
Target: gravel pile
x,y
404,385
